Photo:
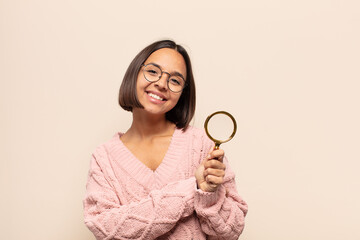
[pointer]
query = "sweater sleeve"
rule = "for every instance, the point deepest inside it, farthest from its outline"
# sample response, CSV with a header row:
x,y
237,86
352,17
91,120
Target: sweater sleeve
x,y
221,213
149,218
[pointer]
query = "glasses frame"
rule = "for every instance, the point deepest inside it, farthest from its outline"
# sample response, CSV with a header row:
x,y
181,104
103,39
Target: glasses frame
x,y
168,79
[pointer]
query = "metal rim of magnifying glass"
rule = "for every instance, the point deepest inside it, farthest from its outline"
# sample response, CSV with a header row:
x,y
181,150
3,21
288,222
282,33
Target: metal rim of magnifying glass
x,y
218,142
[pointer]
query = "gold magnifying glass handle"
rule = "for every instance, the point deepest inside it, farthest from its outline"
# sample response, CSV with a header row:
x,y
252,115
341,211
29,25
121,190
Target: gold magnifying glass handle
x,y
217,141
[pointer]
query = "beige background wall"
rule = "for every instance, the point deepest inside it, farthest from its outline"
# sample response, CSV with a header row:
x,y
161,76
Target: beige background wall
x,y
287,70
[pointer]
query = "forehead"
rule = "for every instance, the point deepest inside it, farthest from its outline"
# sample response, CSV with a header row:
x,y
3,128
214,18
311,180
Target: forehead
x,y
169,60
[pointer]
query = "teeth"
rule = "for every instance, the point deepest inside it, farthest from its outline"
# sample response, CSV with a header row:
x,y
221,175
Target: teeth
x,y
155,96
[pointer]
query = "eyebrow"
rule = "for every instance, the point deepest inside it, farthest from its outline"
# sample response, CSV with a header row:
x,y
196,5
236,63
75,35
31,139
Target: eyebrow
x,y
172,74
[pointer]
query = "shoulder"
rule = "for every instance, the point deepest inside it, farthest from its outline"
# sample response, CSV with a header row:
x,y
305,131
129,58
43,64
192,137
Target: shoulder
x,y
198,138
105,149
192,131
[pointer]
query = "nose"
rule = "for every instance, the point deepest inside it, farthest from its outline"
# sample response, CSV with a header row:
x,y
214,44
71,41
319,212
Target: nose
x,y
162,83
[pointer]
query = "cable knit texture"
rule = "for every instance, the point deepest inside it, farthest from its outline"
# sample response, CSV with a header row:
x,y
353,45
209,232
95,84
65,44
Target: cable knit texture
x,y
127,200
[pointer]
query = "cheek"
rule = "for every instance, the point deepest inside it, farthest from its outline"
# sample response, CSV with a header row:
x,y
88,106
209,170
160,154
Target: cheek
x,y
176,99
140,83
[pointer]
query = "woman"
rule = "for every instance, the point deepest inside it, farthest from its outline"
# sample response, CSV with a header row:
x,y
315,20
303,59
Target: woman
x,y
161,179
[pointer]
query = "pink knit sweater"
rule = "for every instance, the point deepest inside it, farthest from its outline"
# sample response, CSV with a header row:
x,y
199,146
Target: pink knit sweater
x,y
127,200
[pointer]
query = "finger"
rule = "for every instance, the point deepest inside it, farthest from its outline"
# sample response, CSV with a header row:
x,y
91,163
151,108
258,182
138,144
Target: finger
x,y
217,154
214,172
214,164
214,180
213,186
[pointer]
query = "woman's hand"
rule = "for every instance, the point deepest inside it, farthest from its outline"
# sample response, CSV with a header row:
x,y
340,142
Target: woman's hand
x,y
211,172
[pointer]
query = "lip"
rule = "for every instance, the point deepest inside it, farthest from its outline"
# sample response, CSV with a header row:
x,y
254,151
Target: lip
x,y
158,94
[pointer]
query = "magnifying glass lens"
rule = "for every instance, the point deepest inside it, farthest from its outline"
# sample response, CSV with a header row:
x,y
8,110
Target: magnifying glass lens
x,y
220,127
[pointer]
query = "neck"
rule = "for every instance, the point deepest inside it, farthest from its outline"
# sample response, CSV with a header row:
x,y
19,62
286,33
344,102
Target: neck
x,y
146,125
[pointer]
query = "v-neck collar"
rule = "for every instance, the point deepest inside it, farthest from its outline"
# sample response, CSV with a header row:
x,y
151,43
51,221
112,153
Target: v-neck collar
x,y
143,174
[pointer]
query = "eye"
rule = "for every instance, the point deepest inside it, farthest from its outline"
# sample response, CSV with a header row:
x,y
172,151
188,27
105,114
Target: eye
x,y
151,70
176,81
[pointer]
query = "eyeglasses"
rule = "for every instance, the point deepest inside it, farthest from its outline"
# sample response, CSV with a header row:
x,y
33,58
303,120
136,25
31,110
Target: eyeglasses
x,y
152,73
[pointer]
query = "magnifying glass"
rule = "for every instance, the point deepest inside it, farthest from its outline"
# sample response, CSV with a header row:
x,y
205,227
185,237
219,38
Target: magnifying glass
x,y
222,127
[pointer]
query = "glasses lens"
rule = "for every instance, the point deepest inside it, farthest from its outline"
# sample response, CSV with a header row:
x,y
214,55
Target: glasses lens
x,y
152,73
176,83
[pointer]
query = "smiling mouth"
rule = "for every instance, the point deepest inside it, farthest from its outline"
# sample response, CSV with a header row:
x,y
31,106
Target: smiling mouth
x,y
156,96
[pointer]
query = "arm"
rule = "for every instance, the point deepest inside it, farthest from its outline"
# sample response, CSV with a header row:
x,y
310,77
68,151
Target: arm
x,y
149,218
219,207
222,212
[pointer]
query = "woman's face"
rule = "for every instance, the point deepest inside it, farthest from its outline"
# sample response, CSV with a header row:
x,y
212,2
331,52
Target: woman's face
x,y
156,97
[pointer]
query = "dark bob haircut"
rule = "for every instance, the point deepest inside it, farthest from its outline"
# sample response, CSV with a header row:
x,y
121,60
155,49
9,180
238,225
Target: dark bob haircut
x,y
184,110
